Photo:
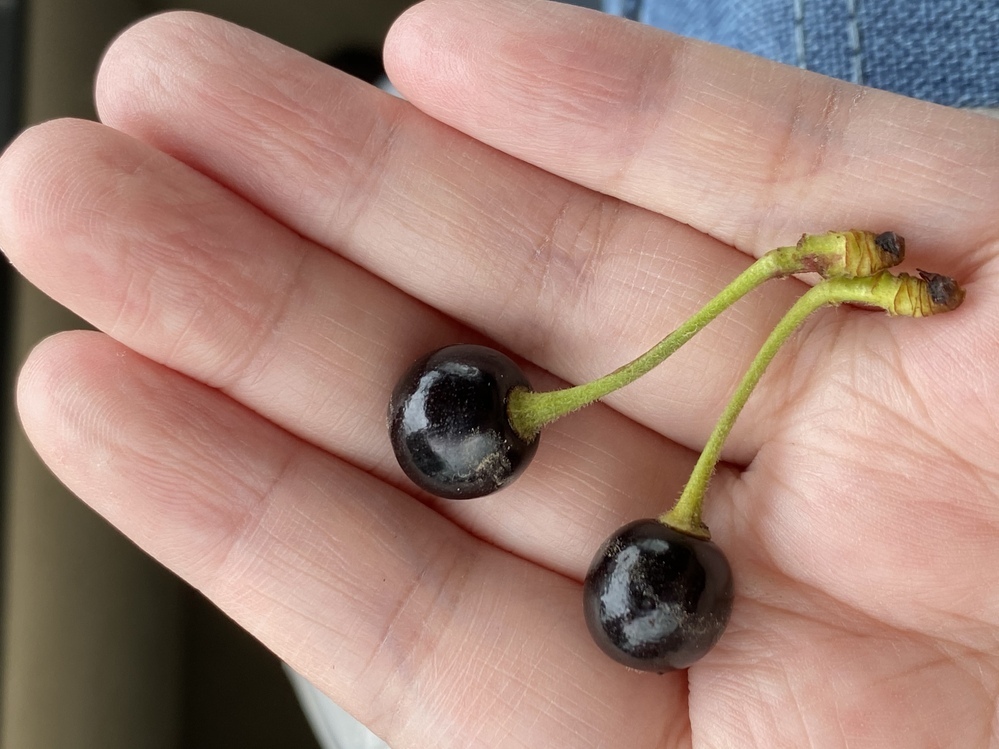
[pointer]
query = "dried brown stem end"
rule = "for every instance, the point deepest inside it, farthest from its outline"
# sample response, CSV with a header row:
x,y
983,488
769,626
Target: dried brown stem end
x,y
927,294
851,254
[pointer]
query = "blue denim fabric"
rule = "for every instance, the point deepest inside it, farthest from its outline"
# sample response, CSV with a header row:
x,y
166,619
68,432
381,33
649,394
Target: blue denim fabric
x,y
946,51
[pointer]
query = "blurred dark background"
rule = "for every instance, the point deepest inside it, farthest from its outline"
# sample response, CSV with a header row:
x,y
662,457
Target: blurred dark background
x,y
101,647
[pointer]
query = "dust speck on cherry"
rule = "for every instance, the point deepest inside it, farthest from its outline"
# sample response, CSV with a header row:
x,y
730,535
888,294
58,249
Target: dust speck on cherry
x,y
449,426
656,599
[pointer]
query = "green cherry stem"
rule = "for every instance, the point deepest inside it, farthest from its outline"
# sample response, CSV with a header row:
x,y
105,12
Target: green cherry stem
x,y
904,295
530,411
833,254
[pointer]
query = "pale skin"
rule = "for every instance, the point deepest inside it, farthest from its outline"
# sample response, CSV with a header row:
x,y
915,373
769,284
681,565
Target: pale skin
x,y
265,244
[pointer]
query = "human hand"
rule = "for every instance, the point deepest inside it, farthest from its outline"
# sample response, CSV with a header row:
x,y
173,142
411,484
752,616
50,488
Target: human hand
x,y
266,244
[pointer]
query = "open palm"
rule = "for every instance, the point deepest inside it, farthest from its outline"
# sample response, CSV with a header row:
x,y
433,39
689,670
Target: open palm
x,y
266,244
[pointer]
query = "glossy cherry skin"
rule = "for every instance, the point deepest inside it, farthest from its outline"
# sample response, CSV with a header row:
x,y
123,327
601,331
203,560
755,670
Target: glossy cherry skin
x,y
656,599
448,422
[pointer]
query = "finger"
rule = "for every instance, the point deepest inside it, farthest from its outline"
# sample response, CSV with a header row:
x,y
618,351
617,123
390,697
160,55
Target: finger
x,y
744,149
576,282
189,275
423,632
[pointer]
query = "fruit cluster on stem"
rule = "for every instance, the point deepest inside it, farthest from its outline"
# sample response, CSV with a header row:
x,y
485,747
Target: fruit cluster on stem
x,y
658,593
904,295
464,423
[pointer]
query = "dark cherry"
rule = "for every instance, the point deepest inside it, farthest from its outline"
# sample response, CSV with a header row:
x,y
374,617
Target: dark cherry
x,y
656,599
448,422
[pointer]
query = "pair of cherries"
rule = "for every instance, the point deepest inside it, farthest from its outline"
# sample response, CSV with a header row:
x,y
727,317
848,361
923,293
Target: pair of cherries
x,y
464,422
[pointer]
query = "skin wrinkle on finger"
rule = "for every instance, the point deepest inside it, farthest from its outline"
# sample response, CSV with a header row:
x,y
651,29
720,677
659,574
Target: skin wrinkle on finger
x,y
438,588
812,135
85,420
265,128
154,254
515,687
568,268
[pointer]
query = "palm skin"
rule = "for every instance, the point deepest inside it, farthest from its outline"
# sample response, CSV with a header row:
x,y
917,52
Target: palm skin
x,y
266,244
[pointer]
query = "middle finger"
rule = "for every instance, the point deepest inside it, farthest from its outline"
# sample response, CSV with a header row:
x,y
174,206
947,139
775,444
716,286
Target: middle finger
x,y
575,281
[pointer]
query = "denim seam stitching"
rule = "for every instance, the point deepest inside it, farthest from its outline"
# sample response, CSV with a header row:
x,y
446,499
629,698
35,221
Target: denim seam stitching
x,y
854,41
799,34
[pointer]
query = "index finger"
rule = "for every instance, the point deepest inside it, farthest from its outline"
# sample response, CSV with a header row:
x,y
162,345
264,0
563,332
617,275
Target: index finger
x,y
741,148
